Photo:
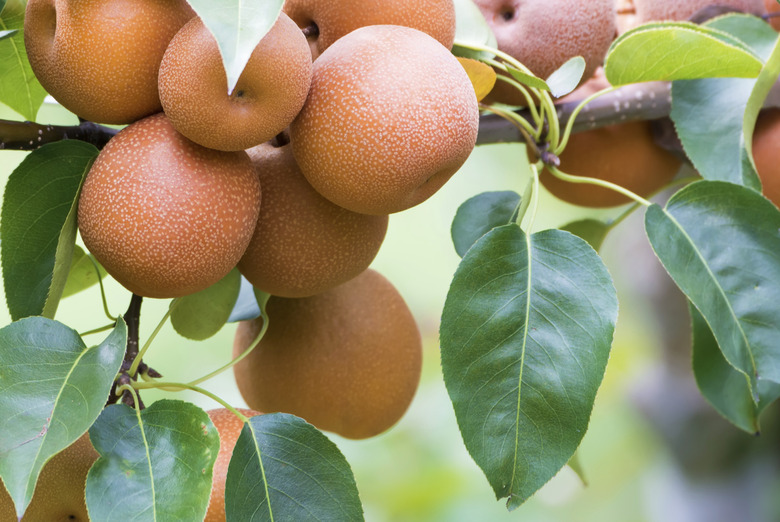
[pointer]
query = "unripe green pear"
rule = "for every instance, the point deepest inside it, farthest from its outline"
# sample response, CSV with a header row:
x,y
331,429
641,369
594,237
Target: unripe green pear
x,y
269,94
330,19
100,59
347,360
390,117
59,493
165,216
229,428
303,244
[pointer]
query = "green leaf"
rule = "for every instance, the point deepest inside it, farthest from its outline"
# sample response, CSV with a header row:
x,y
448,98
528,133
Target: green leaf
x,y
724,387
471,29
38,225
8,34
154,465
84,272
711,115
678,51
2,5
720,242
19,89
246,306
591,230
238,26
566,78
200,315
527,79
285,469
479,215
525,337
52,388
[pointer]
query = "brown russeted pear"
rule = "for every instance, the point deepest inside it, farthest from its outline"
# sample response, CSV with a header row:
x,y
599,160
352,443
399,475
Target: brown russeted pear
x,y
327,20
59,493
229,428
165,216
390,117
347,360
545,35
269,94
304,244
100,59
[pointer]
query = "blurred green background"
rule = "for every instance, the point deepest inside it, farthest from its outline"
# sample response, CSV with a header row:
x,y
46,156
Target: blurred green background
x,y
654,451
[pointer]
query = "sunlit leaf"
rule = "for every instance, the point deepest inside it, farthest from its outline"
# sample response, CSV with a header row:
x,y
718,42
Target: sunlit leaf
x,y
479,215
19,89
200,315
566,78
285,469
38,225
471,28
720,242
727,389
156,467
84,272
238,26
482,76
52,388
8,34
676,51
525,337
712,116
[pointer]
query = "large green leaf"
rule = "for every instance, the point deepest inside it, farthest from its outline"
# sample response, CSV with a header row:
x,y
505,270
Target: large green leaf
x,y
479,215
724,387
52,388
238,26
677,51
285,469
720,242
712,116
19,89
525,337
155,468
200,315
84,272
38,225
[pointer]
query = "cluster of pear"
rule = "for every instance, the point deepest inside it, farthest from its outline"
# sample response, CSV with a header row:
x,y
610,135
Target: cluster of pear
x,y
379,115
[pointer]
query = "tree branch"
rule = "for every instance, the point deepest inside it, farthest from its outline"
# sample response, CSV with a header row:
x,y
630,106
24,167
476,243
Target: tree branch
x,y
26,135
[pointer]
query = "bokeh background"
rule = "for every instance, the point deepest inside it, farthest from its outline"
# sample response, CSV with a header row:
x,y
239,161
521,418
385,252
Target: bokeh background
x,y
655,451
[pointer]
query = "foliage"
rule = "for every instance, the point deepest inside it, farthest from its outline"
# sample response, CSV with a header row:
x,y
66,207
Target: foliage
x,y
526,330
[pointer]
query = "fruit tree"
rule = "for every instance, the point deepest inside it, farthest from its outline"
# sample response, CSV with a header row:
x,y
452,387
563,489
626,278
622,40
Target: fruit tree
x,y
237,168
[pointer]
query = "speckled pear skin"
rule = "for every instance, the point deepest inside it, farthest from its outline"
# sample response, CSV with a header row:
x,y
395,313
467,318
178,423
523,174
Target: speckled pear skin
x,y
100,59
59,493
390,117
229,428
165,216
652,10
347,360
269,94
335,19
543,35
304,244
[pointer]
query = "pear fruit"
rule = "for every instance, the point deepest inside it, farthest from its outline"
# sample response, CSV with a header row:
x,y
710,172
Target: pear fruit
x,y
303,244
347,360
766,149
269,94
229,428
165,216
390,117
100,59
655,10
327,20
59,493
545,35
